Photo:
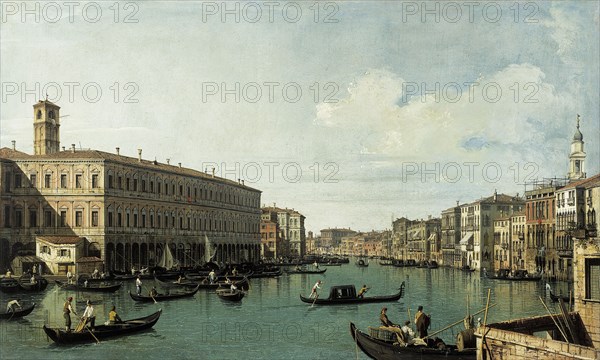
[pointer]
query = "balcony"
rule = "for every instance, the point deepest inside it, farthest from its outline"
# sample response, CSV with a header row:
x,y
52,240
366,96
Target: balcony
x,y
565,253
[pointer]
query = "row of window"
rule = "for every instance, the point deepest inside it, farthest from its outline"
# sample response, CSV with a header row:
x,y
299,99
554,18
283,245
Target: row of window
x,y
61,252
125,220
159,188
32,181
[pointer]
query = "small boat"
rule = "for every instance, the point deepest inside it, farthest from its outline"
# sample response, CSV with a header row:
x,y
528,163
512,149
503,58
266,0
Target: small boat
x,y
230,295
432,264
9,285
18,313
163,297
332,264
89,288
39,284
519,275
305,271
467,268
346,294
244,283
388,349
423,264
386,263
555,298
362,263
60,336
266,274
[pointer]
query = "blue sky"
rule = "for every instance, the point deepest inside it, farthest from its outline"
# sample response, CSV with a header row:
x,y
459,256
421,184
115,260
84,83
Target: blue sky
x,y
350,112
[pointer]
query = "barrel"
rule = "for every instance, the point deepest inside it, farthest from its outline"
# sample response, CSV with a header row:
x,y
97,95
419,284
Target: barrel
x,y
466,340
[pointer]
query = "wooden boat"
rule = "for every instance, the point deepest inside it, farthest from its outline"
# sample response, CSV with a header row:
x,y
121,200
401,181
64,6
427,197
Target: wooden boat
x,y
244,283
163,297
18,313
432,264
9,285
386,349
362,263
386,263
467,268
266,274
346,294
519,275
89,288
127,327
40,283
332,264
230,295
423,264
305,271
555,298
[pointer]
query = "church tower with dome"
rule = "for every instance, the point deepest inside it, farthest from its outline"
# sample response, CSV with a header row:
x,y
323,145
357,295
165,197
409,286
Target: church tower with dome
x,y
577,156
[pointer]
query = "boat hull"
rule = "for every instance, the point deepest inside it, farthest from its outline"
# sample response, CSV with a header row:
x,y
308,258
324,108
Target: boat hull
x,y
385,350
102,332
163,297
355,300
26,310
100,288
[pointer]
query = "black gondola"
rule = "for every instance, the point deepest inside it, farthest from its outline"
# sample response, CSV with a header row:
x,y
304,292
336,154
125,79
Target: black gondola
x,y
9,285
362,263
163,297
306,271
266,274
89,288
230,295
432,264
127,327
555,298
39,284
244,283
380,349
18,313
518,275
467,268
386,263
346,294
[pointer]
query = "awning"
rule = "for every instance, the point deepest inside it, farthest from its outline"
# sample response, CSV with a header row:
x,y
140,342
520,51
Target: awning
x,y
468,236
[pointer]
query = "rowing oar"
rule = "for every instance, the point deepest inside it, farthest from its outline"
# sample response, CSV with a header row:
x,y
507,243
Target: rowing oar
x,y
150,293
90,331
458,322
316,296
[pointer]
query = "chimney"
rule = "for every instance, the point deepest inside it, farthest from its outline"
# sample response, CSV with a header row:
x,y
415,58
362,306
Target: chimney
x,y
168,161
242,182
213,172
456,202
63,148
179,164
14,145
495,195
139,155
72,147
118,150
238,180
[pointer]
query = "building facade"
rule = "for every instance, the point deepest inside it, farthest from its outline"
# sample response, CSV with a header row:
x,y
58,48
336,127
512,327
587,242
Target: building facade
x,y
127,209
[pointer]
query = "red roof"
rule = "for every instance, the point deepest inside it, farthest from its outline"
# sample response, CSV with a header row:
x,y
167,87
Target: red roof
x,y
587,183
61,240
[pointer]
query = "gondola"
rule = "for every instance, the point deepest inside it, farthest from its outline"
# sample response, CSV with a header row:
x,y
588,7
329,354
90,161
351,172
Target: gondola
x,y
555,298
163,297
9,285
386,350
244,283
89,288
386,263
432,265
361,263
467,268
230,295
18,313
59,336
346,294
306,271
332,264
519,275
266,274
40,283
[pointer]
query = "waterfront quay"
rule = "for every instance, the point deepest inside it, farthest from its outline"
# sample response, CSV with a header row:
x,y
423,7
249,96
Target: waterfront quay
x,y
271,322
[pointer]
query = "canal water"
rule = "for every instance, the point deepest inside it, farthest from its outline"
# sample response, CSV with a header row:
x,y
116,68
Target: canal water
x,y
271,322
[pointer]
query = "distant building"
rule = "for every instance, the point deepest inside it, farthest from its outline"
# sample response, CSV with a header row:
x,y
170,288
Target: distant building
x,y
423,240
270,236
450,237
333,237
291,229
400,237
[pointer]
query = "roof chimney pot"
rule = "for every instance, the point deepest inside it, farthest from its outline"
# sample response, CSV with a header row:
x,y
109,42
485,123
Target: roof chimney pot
x,y
118,150
14,145
72,147
139,155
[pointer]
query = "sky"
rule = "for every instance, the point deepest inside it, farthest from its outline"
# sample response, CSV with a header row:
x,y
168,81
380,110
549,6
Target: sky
x,y
353,113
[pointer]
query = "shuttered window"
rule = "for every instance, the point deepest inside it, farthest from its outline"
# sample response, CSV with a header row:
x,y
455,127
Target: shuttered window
x,y
592,279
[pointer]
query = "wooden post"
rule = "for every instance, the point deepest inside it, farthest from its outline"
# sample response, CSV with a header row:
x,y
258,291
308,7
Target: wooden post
x,y
487,306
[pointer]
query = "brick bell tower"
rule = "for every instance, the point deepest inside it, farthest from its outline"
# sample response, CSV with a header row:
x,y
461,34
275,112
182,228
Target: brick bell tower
x,y
46,128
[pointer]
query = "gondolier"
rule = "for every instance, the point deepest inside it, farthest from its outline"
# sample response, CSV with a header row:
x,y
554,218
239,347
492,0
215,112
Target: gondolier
x,y
67,310
422,322
314,290
138,285
12,305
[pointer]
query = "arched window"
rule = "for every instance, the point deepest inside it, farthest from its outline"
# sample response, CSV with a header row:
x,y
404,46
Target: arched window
x,y
39,114
51,114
